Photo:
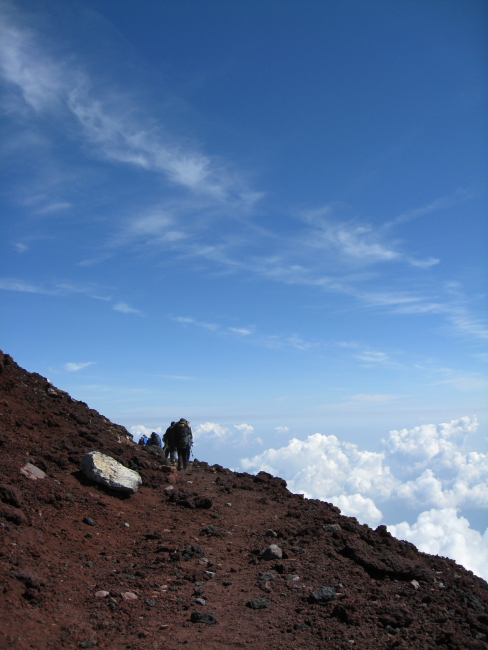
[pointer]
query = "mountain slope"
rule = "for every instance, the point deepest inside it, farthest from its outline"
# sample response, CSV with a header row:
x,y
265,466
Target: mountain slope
x,y
81,566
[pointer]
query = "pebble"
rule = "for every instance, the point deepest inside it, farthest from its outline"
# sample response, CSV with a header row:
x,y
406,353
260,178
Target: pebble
x,y
89,521
128,596
229,504
102,594
227,583
126,525
150,602
31,471
259,603
200,601
210,574
270,533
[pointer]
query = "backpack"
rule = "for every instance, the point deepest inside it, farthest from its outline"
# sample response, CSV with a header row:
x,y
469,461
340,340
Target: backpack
x,y
169,436
154,439
182,436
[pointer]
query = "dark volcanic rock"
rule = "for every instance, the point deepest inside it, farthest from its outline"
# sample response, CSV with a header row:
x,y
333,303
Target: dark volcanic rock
x,y
322,595
259,603
200,617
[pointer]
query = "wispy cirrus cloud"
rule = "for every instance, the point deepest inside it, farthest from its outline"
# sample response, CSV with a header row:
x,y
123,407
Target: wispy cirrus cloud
x,y
186,320
324,249
273,341
61,289
354,242
124,308
110,121
12,284
366,354
75,367
459,196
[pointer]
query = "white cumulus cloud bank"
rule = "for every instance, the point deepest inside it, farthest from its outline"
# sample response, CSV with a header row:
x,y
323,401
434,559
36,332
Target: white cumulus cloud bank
x,y
140,430
426,472
213,432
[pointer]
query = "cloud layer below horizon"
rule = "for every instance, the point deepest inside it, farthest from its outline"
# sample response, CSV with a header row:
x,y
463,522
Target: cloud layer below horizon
x,y
425,474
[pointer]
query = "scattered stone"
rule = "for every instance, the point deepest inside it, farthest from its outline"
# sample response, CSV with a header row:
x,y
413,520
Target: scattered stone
x,y
229,504
330,528
273,552
297,549
102,594
200,601
200,617
210,574
150,602
126,525
32,472
415,584
227,583
128,596
267,576
322,595
89,521
270,533
302,626
109,472
292,578
259,603
169,490
209,530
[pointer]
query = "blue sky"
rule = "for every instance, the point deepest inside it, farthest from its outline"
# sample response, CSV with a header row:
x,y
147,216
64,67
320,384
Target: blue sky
x,y
266,217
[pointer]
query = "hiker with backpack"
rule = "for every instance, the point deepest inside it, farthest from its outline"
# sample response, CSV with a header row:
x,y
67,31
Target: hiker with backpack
x,y
169,443
154,440
183,441
143,440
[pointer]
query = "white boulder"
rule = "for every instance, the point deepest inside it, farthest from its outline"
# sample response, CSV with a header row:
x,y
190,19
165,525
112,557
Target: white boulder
x,y
107,471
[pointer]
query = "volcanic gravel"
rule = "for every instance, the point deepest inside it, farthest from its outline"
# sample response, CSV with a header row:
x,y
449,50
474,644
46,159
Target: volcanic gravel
x,y
181,561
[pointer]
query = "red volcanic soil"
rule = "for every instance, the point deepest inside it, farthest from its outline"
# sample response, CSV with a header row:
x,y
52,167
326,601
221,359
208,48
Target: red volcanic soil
x,y
201,540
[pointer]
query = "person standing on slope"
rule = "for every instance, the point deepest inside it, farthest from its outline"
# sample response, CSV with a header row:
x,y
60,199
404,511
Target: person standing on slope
x,y
169,444
183,440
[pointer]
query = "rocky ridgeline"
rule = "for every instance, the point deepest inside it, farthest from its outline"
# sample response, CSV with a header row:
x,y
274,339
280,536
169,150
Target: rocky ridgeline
x,y
208,558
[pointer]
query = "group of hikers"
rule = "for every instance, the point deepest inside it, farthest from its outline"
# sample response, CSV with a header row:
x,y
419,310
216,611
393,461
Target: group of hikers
x,y
178,439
